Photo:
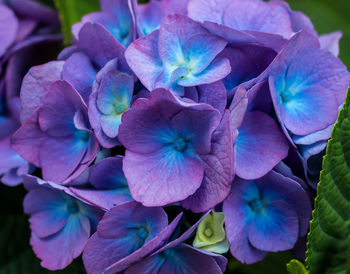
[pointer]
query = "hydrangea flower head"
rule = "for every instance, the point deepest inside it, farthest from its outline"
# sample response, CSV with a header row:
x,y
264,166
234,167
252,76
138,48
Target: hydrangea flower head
x,y
173,58
164,137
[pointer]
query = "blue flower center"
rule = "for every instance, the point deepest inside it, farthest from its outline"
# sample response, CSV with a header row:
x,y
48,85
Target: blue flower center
x,y
180,144
119,108
142,232
82,135
256,205
72,207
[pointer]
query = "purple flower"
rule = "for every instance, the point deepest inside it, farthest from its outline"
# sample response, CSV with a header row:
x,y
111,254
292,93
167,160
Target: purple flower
x,y
132,239
110,98
265,215
57,136
127,232
307,85
60,224
173,58
103,184
164,137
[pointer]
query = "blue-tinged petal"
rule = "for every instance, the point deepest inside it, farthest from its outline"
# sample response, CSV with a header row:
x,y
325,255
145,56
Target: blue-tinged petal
x,y
276,228
149,16
59,158
275,186
110,124
197,127
59,250
237,220
56,114
172,37
142,57
260,146
201,49
122,13
216,71
303,79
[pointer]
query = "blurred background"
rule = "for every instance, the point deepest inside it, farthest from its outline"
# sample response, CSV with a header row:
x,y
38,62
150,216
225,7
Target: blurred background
x,y
16,256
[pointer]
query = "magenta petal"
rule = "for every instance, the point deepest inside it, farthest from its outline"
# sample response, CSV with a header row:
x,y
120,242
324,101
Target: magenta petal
x,y
260,146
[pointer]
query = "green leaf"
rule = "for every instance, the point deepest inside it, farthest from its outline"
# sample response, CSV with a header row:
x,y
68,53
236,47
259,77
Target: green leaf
x,y
296,267
71,11
330,227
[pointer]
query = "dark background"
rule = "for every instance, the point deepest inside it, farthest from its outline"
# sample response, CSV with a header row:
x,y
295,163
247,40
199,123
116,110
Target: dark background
x,y
16,256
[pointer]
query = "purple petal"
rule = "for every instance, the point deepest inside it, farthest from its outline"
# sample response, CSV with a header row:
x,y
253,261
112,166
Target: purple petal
x,y
330,42
260,146
36,84
270,17
142,57
59,250
8,28
162,178
218,170
80,73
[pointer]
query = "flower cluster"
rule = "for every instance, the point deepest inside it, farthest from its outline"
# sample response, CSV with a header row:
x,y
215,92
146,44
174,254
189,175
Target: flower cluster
x,y
194,104
26,39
